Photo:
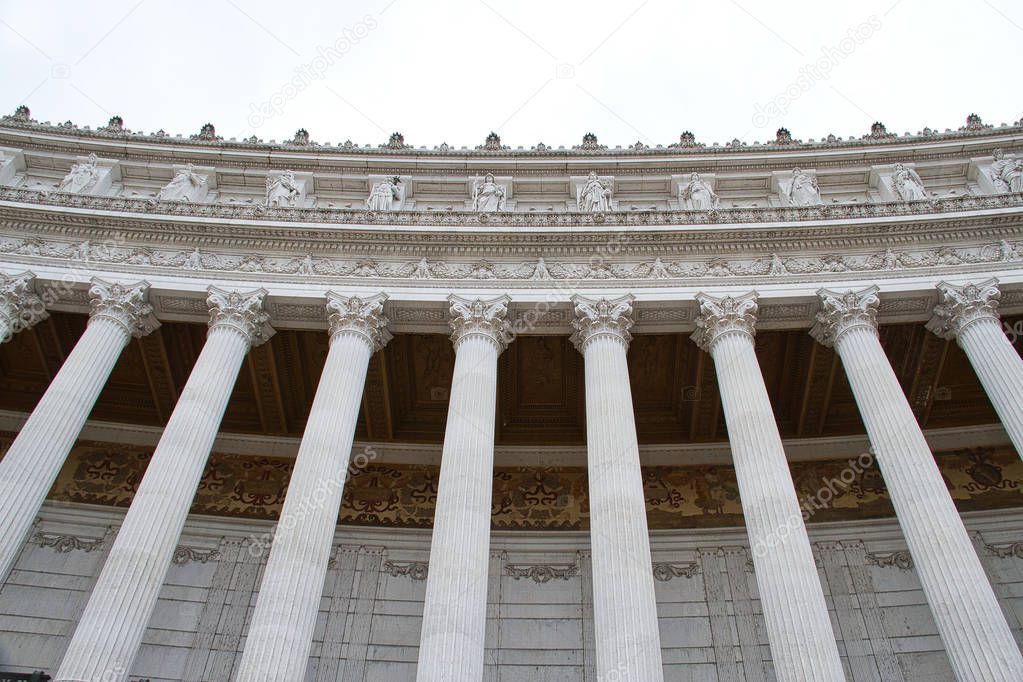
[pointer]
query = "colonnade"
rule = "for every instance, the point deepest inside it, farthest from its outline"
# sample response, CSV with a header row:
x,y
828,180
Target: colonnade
x,y
803,647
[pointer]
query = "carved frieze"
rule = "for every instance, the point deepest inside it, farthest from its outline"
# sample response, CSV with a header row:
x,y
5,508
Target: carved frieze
x,y
542,573
189,555
666,571
404,495
900,560
64,543
413,570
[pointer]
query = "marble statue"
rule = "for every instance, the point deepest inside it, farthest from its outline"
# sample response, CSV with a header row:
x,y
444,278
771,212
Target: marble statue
x,y
907,183
593,196
488,196
282,190
541,272
1007,173
422,270
804,190
383,193
697,194
81,177
186,186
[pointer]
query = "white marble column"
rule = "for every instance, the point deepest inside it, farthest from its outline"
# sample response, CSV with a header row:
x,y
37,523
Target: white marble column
x,y
34,460
455,613
977,639
281,631
799,628
628,644
969,314
110,630
20,307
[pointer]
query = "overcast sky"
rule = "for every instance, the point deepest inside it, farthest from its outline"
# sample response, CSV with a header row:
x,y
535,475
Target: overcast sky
x,y
536,70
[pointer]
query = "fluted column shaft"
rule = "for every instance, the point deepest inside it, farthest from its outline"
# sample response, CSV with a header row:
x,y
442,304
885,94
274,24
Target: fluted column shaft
x,y
35,458
281,631
31,465
969,314
799,628
1000,371
626,635
455,613
110,630
977,639
624,607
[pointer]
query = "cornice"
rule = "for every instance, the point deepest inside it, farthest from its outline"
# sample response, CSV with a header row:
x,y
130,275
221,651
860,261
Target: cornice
x,y
22,129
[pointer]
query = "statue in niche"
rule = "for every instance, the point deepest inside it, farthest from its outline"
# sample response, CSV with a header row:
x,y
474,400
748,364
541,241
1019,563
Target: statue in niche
x,y
803,191
1007,173
907,183
282,190
488,196
186,186
594,196
81,177
697,195
382,194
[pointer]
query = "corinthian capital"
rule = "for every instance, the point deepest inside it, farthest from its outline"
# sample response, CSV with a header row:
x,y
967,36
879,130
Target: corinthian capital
x,y
724,316
124,304
960,306
478,317
361,316
241,312
842,311
602,317
20,307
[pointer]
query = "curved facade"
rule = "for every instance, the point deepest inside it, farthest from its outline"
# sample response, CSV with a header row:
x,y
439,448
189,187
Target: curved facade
x,y
330,412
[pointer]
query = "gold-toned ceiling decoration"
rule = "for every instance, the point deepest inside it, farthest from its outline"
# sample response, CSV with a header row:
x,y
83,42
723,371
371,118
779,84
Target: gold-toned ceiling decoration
x,y
404,495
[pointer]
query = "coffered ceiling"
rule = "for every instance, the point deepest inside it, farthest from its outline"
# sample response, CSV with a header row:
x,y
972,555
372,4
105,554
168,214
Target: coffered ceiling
x,y
540,384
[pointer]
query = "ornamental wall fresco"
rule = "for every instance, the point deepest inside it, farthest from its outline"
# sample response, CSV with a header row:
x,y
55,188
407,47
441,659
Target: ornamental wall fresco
x,y
404,495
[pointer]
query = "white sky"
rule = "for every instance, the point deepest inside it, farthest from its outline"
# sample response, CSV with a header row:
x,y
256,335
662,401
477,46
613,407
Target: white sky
x,y
532,70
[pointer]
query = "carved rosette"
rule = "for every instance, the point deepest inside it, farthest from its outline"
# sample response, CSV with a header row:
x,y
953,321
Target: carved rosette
x,y
602,317
724,316
363,317
241,312
842,311
960,306
19,304
480,318
124,304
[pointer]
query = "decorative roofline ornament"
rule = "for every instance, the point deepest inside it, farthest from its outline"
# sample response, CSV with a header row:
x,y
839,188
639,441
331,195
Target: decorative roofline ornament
x,y
207,134
396,141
